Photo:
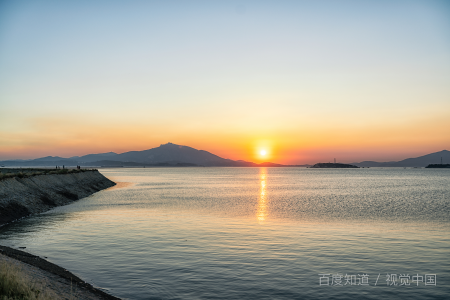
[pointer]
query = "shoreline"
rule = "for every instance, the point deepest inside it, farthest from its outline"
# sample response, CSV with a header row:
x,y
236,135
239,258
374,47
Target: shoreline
x,y
44,265
21,196
29,194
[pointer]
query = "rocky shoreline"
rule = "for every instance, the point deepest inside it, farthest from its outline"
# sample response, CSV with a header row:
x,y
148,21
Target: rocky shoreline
x,y
20,197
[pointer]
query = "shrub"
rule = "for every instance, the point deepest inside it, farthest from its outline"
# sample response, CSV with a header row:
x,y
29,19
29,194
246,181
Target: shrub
x,y
16,284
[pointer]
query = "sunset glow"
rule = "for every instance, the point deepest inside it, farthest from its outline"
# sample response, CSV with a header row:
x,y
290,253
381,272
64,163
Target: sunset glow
x,y
354,81
234,149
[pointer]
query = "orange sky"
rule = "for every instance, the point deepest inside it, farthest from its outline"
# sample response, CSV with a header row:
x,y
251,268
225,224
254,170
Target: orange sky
x,y
352,82
301,145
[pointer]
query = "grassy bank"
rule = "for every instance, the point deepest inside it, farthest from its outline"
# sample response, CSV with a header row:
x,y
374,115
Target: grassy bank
x,y
29,172
26,276
16,284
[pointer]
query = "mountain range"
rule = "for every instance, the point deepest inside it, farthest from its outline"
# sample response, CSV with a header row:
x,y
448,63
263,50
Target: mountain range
x,y
176,155
165,155
421,161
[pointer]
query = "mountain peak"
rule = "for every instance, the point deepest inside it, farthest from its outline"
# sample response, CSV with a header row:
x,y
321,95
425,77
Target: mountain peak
x,y
168,145
172,146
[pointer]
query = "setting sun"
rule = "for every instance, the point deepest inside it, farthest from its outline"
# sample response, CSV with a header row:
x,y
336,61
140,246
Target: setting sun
x,y
263,152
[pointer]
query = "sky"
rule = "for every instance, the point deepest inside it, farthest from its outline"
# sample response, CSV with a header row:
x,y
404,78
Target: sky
x,y
306,81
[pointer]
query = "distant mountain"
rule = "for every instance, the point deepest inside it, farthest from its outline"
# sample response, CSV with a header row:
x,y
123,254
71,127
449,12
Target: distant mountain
x,y
165,155
421,161
49,158
173,153
95,157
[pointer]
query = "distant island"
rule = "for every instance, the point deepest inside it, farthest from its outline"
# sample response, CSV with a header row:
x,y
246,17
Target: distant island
x,y
438,166
333,165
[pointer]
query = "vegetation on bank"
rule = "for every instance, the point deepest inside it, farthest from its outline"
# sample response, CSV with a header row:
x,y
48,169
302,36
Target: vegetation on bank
x,y
29,172
15,284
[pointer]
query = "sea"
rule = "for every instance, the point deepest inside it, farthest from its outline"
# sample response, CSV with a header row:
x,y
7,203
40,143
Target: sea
x,y
253,233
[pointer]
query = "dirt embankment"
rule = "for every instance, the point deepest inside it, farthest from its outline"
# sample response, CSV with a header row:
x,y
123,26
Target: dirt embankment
x,y
20,197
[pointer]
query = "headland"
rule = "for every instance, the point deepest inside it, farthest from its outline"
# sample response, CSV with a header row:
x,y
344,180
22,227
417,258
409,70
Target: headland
x,y
31,191
438,166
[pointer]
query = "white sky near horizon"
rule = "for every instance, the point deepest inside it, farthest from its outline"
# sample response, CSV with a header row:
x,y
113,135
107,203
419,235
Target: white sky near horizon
x,y
223,72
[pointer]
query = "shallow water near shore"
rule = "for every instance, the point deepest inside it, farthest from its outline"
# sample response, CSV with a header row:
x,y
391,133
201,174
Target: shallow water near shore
x,y
254,233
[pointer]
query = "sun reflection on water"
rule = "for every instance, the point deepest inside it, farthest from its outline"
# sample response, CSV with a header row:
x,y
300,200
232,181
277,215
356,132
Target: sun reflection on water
x,y
261,213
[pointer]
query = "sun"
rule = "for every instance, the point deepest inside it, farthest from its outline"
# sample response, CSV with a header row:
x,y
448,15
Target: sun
x,y
263,152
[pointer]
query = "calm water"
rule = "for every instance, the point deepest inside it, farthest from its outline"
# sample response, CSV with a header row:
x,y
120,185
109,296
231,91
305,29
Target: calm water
x,y
254,233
